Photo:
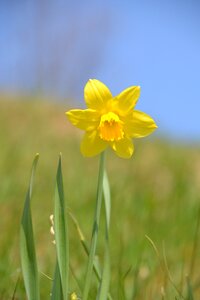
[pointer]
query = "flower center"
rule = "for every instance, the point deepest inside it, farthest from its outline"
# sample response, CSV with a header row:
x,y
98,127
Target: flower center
x,y
111,127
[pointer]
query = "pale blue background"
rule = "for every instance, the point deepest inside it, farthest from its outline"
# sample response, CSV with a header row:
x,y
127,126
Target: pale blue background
x,y
53,47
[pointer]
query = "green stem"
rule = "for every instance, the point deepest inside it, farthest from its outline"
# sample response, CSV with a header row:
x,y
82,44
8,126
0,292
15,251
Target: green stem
x,y
95,228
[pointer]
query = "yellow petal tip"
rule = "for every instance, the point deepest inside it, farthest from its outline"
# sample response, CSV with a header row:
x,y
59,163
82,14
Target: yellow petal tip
x,y
68,113
138,88
154,126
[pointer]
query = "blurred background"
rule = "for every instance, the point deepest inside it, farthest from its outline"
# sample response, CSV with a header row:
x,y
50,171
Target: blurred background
x,y
53,47
48,51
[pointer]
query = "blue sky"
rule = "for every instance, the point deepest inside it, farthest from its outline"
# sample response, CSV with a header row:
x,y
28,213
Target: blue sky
x,y
154,44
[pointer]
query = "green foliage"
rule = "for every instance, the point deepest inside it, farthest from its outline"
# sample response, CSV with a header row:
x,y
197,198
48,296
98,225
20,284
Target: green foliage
x,y
27,244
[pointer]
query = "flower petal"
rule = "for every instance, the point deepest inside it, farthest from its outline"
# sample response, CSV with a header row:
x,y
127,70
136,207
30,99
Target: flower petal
x,y
87,119
127,99
139,124
124,148
92,144
96,94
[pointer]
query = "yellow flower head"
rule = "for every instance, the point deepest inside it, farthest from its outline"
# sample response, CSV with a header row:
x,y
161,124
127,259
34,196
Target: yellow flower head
x,y
110,121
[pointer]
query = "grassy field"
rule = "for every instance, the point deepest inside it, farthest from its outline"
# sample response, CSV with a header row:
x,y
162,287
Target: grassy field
x,y
156,193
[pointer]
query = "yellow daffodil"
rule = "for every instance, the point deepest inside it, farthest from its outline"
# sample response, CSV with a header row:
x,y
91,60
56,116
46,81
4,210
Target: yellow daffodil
x,y
110,121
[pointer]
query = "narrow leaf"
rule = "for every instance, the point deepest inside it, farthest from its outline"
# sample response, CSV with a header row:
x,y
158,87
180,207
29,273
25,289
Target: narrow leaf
x,y
61,233
27,245
57,288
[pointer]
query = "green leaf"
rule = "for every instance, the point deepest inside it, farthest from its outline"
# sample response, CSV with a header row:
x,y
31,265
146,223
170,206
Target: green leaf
x,y
61,233
27,245
57,288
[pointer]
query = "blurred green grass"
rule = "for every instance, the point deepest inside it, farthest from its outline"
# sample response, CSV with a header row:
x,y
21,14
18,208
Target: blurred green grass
x,y
155,193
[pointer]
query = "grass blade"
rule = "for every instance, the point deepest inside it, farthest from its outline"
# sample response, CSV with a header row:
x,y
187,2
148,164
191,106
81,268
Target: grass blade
x,y
136,281
189,290
57,288
61,233
105,281
164,265
15,289
85,244
27,244
195,244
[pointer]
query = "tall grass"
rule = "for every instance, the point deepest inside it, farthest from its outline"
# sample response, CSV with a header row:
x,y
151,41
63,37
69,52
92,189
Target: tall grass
x,y
156,194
